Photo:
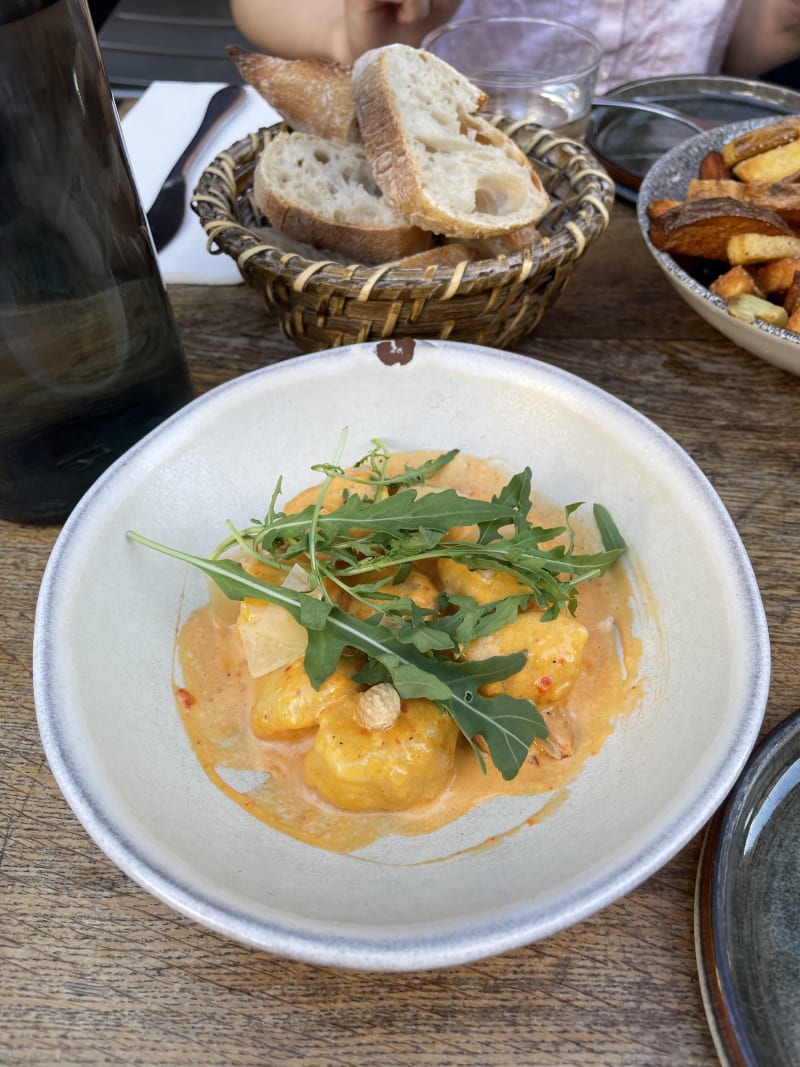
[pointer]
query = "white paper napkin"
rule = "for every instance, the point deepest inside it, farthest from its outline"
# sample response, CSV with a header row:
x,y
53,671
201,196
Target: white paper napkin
x,y
156,131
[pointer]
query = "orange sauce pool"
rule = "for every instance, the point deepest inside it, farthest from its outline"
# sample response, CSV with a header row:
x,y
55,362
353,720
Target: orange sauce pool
x,y
216,692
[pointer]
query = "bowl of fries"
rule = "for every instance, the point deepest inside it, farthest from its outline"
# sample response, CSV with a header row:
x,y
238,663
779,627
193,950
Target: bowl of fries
x,y
721,215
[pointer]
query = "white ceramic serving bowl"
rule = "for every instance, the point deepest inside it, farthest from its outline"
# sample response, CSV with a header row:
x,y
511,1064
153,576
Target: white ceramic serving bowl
x,y
667,180
105,633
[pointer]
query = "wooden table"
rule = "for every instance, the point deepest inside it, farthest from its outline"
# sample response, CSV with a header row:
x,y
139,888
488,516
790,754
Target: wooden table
x,y
95,971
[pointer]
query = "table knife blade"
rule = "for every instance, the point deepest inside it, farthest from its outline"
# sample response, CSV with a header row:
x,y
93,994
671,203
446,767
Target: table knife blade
x,y
165,216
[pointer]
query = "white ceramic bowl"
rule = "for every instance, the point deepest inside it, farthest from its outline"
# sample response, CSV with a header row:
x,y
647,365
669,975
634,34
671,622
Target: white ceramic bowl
x,y
668,180
105,630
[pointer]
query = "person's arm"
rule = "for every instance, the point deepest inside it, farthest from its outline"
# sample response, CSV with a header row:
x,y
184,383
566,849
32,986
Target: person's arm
x,y
336,29
296,28
766,35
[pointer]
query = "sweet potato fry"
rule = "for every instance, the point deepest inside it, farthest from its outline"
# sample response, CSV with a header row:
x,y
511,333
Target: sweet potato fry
x,y
658,207
712,188
791,302
793,322
781,197
704,228
761,248
734,282
713,167
777,276
772,166
761,139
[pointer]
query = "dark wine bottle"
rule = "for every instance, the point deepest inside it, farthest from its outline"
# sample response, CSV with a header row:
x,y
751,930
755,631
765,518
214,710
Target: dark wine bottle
x,y
90,357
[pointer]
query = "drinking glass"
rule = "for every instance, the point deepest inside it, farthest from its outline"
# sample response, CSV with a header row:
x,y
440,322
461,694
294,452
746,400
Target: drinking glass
x,y
532,69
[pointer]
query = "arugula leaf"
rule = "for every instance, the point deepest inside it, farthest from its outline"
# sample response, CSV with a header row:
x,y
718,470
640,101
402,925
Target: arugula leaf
x,y
376,460
612,539
373,538
516,494
394,517
505,723
470,620
449,683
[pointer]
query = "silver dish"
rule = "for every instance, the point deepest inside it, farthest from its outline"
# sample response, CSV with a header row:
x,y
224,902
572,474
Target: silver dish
x,y
629,143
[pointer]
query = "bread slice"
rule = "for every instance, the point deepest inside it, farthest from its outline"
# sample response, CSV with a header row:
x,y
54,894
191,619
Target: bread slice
x,y
438,162
323,192
445,255
312,95
505,244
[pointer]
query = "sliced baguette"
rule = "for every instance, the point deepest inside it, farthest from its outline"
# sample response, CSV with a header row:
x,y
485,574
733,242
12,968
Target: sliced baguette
x,y
506,243
323,192
446,255
312,95
438,162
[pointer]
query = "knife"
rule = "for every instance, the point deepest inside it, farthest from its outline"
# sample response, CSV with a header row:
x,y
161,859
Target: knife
x,y
166,214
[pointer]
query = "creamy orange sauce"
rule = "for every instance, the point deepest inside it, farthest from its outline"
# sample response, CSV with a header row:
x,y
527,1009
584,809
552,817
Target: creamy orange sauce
x,y
265,778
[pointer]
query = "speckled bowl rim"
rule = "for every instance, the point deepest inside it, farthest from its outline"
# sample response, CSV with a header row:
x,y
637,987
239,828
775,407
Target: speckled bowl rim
x,y
667,179
421,945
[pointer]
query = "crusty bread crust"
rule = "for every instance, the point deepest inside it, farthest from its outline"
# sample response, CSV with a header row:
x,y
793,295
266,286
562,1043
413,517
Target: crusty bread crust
x,y
312,95
437,161
322,192
506,243
445,255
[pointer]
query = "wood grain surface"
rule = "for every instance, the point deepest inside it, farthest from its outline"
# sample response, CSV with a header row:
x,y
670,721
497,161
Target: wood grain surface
x,y
96,971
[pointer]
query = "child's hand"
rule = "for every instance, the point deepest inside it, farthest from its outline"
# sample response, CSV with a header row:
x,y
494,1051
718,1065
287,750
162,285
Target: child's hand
x,y
371,23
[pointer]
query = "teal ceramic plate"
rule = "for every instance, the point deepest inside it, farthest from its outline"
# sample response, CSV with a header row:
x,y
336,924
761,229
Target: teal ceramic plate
x,y
747,915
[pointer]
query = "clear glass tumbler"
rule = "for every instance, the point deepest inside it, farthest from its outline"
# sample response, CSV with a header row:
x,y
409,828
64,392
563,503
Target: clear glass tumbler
x,y
532,69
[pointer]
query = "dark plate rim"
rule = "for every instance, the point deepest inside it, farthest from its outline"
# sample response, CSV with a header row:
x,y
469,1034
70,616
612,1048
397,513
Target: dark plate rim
x,y
729,1029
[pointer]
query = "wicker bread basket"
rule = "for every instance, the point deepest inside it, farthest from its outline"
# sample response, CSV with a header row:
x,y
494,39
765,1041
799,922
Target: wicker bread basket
x,y
321,303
